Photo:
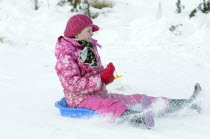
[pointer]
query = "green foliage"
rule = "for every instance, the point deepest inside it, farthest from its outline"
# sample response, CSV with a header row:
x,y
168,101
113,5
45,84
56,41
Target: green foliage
x,y
193,13
1,39
203,7
86,9
76,4
85,5
175,29
101,4
36,7
62,3
179,6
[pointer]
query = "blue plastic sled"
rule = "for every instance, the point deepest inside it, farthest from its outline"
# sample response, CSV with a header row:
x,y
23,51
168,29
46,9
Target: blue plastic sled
x,y
73,112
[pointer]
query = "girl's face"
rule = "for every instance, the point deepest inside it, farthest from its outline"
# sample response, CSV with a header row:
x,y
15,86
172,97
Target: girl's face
x,y
86,34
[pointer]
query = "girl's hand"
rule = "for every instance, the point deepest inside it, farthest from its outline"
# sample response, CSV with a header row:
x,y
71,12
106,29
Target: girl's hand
x,y
107,76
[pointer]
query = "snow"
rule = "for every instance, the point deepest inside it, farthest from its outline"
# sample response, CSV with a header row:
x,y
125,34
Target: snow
x,y
135,36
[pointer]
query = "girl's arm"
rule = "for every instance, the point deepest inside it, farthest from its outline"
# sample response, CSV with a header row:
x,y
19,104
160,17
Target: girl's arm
x,y
71,79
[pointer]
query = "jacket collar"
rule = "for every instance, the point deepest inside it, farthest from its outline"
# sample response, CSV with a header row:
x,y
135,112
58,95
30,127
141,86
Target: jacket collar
x,y
75,43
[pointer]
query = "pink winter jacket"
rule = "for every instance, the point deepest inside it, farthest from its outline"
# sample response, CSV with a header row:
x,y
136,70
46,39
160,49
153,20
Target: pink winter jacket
x,y
79,80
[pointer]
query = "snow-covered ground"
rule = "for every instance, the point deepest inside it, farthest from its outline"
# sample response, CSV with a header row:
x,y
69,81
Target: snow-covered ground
x,y
135,36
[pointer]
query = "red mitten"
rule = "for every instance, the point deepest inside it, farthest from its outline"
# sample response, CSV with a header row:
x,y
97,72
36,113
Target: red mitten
x,y
107,75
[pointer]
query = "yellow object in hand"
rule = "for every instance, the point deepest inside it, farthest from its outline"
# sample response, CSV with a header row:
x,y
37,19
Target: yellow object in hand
x,y
118,76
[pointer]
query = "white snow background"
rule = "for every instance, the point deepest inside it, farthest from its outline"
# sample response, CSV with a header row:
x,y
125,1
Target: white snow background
x,y
135,36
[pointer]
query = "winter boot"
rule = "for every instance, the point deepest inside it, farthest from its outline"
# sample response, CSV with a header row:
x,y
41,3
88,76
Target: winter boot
x,y
197,90
136,118
178,104
196,93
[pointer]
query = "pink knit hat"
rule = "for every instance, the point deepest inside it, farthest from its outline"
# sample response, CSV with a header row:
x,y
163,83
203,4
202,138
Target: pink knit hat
x,y
77,23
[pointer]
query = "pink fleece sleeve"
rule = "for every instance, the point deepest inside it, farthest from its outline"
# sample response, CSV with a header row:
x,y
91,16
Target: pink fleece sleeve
x,y
70,77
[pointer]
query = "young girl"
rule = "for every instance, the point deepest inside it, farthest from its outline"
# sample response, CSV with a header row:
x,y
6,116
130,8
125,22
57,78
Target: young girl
x,y
84,79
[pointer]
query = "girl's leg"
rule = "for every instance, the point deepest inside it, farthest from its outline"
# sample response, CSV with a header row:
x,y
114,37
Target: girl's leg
x,y
103,106
126,99
143,100
117,109
168,105
137,118
146,118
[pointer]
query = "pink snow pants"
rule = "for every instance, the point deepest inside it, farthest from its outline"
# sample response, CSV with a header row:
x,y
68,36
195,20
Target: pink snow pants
x,y
114,104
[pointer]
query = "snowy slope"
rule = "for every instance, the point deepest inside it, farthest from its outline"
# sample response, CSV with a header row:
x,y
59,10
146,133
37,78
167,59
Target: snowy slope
x,y
135,36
